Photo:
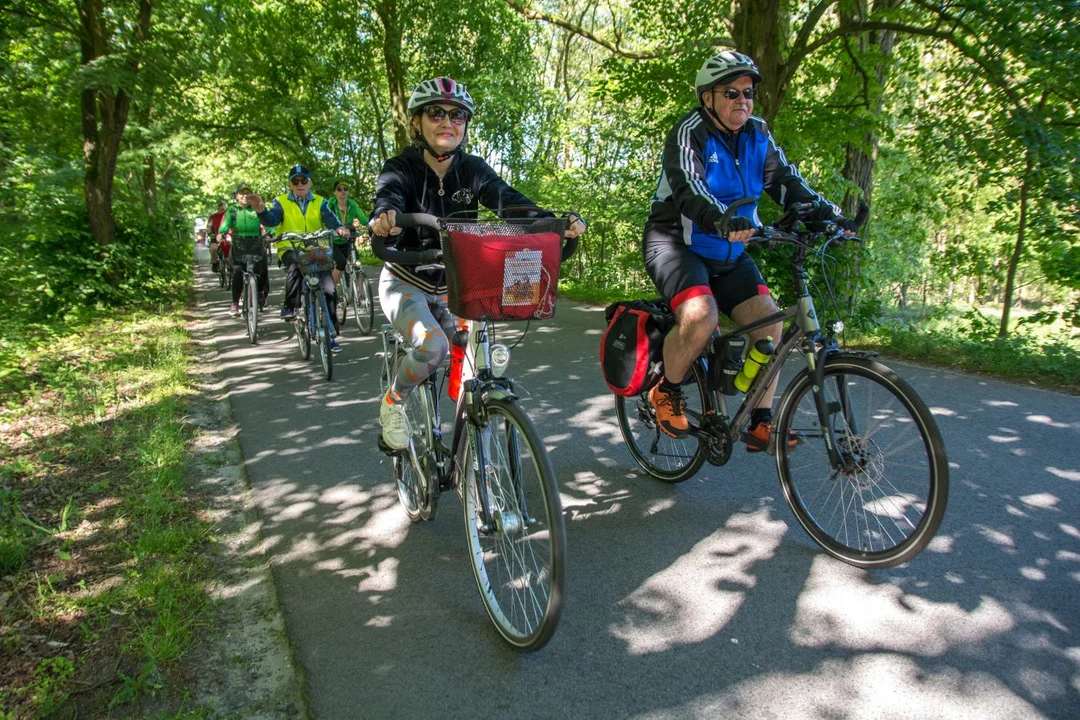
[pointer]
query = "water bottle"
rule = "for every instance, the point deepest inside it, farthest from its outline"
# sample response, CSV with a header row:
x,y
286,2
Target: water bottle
x,y
731,361
758,356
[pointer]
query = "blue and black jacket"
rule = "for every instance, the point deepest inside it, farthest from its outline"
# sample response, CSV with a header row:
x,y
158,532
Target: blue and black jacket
x,y
704,170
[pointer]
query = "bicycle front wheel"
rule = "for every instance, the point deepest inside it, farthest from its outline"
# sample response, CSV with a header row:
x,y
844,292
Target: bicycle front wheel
x,y
364,299
662,456
303,334
323,330
342,288
518,547
251,309
885,499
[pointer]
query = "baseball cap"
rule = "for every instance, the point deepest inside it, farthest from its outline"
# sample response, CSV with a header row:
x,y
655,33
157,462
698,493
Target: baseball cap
x,y
299,169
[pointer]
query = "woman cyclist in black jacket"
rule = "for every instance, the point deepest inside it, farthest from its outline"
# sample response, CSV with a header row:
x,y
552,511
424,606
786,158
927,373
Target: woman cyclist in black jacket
x,y
433,176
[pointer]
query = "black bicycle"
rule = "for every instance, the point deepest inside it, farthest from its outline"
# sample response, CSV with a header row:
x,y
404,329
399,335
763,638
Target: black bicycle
x,y
868,478
355,292
314,256
248,251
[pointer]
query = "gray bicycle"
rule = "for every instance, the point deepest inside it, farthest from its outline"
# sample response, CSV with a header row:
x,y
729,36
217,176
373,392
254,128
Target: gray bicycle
x,y
868,478
496,460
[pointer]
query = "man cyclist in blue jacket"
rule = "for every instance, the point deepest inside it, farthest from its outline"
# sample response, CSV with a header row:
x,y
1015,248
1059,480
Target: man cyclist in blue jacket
x,y
714,155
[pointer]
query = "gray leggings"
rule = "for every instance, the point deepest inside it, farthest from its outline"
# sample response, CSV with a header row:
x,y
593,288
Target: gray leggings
x,y
425,323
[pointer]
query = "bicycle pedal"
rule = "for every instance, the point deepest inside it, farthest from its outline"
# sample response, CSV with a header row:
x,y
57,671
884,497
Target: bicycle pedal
x,y
387,450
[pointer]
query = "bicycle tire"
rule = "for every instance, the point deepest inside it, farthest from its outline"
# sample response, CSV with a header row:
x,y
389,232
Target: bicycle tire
x,y
323,330
303,335
251,309
519,562
665,458
341,287
895,516
412,471
221,272
365,301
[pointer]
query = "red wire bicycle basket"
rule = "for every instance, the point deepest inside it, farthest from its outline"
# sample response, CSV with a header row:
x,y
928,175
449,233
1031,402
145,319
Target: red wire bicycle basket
x,y
503,269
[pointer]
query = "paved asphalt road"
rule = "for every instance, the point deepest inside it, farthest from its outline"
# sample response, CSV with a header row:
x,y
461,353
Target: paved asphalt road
x,y
699,600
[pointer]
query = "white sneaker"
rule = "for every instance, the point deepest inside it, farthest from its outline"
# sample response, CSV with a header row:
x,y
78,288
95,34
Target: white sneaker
x,y
396,429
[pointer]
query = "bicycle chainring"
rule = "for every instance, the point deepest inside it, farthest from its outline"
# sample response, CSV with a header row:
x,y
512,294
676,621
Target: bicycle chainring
x,y
717,437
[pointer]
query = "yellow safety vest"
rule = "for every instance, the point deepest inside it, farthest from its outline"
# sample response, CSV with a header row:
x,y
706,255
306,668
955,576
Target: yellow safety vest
x,y
297,222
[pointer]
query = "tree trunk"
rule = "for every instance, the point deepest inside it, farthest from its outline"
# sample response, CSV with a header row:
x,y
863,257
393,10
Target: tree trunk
x,y
1018,249
395,73
760,32
104,116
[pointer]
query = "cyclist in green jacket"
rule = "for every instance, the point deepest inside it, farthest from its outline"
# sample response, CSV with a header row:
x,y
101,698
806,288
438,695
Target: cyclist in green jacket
x,y
351,216
242,221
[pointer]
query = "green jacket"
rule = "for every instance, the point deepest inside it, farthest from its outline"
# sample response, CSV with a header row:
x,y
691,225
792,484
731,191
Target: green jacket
x,y
352,212
244,222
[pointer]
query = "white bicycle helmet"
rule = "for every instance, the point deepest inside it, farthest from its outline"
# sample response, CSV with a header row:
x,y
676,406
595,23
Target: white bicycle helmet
x,y
441,90
724,67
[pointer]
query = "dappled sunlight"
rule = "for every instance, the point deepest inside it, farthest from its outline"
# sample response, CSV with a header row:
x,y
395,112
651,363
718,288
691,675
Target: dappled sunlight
x,y
839,607
692,599
593,497
1064,474
873,685
1044,420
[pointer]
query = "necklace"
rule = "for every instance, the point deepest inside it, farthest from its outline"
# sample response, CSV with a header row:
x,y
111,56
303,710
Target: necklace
x,y
441,191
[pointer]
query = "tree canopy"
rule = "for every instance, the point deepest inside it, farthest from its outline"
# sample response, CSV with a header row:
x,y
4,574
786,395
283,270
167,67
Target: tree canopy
x,y
956,121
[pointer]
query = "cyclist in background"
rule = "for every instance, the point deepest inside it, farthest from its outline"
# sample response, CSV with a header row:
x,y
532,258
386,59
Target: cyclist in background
x,y
352,217
433,176
212,224
714,155
299,211
242,221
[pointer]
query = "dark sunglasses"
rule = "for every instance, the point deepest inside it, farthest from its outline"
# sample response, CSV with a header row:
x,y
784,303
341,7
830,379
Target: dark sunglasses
x,y
341,187
299,180
732,93
458,116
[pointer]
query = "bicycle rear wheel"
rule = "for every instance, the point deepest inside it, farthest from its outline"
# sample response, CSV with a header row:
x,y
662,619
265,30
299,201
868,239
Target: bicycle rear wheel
x,y
324,330
363,299
222,271
518,552
414,470
885,502
251,309
666,458
300,325
342,288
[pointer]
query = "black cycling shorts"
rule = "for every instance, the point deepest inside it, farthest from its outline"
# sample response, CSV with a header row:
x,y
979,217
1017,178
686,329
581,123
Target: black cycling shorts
x,y
680,274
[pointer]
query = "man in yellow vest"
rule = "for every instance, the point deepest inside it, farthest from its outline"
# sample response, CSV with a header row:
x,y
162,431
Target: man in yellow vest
x,y
300,211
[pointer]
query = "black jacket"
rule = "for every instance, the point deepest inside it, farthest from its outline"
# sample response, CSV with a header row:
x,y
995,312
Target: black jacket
x,y
407,185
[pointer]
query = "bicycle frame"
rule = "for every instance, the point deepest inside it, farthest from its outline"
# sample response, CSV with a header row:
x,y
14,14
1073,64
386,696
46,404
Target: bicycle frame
x,y
804,330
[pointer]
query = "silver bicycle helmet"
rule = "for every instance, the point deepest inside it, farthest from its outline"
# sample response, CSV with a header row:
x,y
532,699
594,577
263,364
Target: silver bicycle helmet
x,y
725,67
441,90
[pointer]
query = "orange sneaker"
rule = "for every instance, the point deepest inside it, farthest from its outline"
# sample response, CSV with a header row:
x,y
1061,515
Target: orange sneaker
x,y
757,438
669,414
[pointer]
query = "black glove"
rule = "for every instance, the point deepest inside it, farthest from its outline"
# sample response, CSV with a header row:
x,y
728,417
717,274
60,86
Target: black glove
x,y
735,224
845,224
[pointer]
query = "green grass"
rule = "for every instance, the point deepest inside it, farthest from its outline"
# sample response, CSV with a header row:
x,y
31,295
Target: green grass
x,y
96,524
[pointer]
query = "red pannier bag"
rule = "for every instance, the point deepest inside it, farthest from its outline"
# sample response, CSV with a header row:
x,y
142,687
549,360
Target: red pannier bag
x,y
632,349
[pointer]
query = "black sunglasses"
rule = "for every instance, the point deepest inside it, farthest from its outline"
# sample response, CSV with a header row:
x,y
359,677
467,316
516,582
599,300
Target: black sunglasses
x,y
732,93
342,187
300,180
458,116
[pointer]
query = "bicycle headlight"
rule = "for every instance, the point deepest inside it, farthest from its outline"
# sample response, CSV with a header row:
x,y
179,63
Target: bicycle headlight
x,y
500,358
312,281
838,327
